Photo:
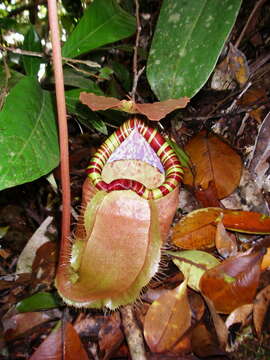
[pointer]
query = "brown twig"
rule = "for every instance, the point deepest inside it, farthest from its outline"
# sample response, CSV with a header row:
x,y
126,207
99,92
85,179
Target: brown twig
x,y
136,73
62,121
5,88
133,334
43,55
256,7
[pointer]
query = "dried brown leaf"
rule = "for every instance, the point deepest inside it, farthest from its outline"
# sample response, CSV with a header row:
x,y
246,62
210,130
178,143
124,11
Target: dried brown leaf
x,y
213,160
261,304
167,320
239,316
226,245
96,103
197,230
62,344
154,111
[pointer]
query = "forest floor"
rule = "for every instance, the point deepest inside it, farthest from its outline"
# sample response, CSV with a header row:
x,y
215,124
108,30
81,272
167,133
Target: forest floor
x,y
240,115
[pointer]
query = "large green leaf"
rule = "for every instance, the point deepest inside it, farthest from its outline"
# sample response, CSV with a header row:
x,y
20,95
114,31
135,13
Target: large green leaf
x,y
87,117
32,42
188,39
28,136
9,82
103,22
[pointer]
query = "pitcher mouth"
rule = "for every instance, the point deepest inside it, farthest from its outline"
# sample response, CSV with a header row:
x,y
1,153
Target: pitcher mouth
x,y
167,161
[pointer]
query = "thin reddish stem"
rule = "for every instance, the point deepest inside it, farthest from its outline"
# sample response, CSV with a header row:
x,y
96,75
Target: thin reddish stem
x,y
62,122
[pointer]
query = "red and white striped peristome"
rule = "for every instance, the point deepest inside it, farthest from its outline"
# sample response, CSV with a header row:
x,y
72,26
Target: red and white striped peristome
x,y
167,156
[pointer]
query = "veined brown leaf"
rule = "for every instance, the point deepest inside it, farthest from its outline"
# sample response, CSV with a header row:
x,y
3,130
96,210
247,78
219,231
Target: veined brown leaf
x,y
62,344
213,160
168,319
233,282
197,230
154,111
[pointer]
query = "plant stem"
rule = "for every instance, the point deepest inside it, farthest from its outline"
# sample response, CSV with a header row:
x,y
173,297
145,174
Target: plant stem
x,y
136,73
62,122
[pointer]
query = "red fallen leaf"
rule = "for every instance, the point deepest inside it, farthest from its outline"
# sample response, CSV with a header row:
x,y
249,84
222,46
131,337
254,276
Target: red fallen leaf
x,y
213,160
246,221
167,320
155,111
233,282
208,197
261,305
61,344
197,230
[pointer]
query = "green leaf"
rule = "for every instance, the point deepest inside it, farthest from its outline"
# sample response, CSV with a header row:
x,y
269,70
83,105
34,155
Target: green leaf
x,y
85,115
193,264
12,80
188,39
32,42
103,22
38,301
73,78
182,156
28,137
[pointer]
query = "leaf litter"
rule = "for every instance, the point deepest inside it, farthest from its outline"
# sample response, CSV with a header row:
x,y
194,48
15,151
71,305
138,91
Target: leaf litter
x,y
244,293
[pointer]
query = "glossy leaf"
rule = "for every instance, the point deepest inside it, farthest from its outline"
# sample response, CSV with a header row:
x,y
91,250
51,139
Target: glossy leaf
x,y
32,42
246,221
155,111
232,283
38,301
28,139
193,264
167,319
62,344
197,230
103,22
186,45
214,161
